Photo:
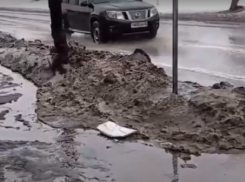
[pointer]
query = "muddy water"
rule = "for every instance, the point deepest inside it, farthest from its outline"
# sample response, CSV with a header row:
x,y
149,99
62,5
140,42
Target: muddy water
x,y
87,157
140,163
24,108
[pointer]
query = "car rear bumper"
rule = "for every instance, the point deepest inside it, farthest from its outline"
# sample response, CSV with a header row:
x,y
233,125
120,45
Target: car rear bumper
x,y
124,27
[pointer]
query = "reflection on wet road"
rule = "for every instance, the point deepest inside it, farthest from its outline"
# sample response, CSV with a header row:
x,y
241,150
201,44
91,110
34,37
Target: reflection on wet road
x,y
205,50
30,151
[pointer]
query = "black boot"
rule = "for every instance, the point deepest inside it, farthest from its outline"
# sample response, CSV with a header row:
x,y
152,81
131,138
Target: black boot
x,y
62,50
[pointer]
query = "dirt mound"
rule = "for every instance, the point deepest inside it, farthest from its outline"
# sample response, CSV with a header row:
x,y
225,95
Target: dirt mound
x,y
222,113
99,85
130,90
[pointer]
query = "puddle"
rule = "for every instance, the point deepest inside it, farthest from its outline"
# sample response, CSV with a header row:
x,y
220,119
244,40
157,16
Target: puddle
x,y
26,129
136,162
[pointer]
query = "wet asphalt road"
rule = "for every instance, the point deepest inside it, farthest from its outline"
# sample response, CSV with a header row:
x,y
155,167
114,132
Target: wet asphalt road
x,y
208,53
30,151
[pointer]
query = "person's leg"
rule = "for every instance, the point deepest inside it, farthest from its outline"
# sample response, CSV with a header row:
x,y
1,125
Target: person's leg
x,y
55,16
58,34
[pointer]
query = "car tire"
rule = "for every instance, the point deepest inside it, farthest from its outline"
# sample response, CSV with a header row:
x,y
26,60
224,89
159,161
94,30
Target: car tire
x,y
97,33
152,34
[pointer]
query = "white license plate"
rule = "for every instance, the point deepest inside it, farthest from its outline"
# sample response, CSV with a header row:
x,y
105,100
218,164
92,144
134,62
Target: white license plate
x,y
139,24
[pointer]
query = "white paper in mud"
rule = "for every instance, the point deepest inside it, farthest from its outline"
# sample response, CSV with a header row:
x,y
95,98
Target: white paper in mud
x,y
113,130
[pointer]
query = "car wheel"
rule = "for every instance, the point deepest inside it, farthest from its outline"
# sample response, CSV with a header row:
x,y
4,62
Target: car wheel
x,y
152,34
98,35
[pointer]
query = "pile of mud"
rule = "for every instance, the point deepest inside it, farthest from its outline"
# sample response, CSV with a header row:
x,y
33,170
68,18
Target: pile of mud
x,y
131,91
101,86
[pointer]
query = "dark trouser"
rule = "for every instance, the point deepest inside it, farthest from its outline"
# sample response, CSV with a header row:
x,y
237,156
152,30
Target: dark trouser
x,y
55,16
57,33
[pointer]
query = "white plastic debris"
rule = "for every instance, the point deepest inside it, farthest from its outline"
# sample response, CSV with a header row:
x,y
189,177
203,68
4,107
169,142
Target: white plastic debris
x,y
113,130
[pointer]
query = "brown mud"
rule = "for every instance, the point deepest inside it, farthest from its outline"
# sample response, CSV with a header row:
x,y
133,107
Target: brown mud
x,y
131,91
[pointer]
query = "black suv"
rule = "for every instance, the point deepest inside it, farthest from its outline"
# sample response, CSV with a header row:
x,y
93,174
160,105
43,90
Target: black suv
x,y
107,19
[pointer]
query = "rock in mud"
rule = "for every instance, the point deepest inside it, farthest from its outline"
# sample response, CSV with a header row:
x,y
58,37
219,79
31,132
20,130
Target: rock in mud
x,y
130,90
222,85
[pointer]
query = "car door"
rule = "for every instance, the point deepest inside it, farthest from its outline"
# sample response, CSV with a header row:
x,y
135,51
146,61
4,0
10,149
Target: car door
x,y
72,14
84,16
